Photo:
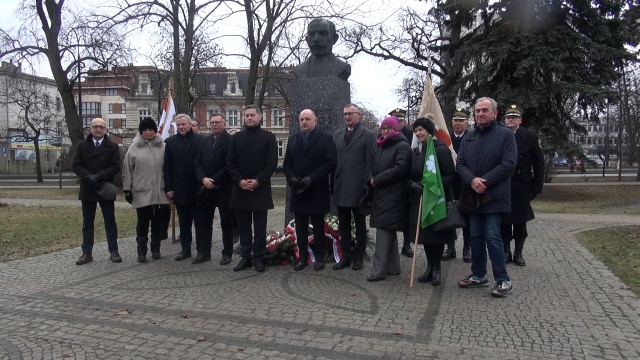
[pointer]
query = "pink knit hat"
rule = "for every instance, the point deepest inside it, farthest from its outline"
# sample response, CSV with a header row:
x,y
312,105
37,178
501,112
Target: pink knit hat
x,y
391,121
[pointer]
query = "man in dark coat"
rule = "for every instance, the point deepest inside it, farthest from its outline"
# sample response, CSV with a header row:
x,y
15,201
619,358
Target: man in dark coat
x,y
252,160
308,162
212,173
181,183
401,114
97,161
526,184
485,163
459,122
356,147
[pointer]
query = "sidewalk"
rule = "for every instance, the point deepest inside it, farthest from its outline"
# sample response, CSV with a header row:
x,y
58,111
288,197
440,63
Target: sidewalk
x,y
565,305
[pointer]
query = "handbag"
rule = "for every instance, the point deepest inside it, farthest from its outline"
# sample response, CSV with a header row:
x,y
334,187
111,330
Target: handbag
x,y
455,219
470,201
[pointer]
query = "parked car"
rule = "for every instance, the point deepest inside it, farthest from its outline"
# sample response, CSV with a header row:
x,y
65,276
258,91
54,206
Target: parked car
x,y
560,162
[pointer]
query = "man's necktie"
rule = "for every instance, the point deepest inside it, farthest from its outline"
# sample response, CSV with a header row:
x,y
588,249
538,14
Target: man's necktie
x,y
350,132
97,143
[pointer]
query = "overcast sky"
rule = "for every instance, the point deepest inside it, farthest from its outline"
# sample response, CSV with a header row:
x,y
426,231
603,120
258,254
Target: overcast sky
x,y
372,81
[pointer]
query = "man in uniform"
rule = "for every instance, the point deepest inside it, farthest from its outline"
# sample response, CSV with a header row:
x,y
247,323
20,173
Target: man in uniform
x,y
526,184
459,122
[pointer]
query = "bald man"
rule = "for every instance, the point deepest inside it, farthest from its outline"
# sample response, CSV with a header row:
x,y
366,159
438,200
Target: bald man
x,y
96,162
309,160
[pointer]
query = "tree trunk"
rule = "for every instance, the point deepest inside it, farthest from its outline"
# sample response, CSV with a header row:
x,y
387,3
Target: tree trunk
x,y
36,145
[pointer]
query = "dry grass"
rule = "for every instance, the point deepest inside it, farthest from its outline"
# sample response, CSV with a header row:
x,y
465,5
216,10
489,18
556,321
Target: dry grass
x,y
583,199
620,251
34,230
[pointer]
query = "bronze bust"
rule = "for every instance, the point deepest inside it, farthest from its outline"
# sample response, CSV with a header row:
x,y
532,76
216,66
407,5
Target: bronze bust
x,y
321,36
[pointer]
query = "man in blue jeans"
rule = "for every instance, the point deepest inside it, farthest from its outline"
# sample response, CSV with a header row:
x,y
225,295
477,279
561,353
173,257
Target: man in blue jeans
x,y
486,161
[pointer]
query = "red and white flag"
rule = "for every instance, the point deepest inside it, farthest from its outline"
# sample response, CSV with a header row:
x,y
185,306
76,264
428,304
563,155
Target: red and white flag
x,y
431,105
166,120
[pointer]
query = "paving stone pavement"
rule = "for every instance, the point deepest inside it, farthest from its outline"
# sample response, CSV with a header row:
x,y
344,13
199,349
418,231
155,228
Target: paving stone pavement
x,y
566,305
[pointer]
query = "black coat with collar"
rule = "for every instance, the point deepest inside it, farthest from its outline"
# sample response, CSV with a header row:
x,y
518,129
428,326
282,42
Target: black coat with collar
x,y
527,178
253,154
456,183
317,161
103,161
211,162
179,170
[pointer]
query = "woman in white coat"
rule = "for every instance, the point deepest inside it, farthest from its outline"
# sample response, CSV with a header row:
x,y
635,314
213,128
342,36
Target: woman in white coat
x,y
143,184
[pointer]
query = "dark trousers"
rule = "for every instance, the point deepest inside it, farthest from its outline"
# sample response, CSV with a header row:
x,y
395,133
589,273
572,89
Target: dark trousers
x,y
151,214
89,216
206,230
517,232
258,241
165,216
344,227
187,215
302,234
433,253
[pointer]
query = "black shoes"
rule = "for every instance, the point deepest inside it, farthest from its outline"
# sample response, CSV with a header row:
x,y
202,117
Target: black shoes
x,y
319,264
508,257
435,280
372,278
300,265
182,256
245,263
466,255
357,264
427,276
449,254
155,255
142,257
518,259
115,257
226,259
84,259
343,263
406,250
259,265
200,258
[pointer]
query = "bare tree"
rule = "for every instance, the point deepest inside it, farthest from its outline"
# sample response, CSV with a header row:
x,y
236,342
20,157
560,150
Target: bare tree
x,y
35,112
68,41
187,23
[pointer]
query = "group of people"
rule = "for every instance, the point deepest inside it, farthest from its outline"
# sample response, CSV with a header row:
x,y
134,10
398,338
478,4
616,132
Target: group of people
x,y
361,172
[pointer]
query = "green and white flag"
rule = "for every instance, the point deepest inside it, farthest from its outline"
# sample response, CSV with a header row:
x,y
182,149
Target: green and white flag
x,y
434,206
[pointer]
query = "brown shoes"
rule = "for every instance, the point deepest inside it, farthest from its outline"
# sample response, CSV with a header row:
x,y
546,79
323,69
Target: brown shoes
x,y
115,257
85,258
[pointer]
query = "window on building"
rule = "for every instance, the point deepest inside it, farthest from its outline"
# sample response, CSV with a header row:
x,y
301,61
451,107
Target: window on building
x,y
111,92
277,118
280,149
47,156
46,100
142,113
91,108
111,108
233,117
86,121
123,108
210,113
212,88
58,104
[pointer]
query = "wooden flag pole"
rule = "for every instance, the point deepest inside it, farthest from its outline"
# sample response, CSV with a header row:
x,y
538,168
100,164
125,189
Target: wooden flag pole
x,y
173,223
415,245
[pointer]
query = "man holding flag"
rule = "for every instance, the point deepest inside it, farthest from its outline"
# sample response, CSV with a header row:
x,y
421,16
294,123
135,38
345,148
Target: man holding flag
x,y
486,160
432,173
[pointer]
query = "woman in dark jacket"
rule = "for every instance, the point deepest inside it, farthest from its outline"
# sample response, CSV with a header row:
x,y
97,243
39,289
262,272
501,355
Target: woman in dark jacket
x,y
433,241
390,174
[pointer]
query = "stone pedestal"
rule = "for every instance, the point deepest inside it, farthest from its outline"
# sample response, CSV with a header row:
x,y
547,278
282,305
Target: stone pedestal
x,y
327,97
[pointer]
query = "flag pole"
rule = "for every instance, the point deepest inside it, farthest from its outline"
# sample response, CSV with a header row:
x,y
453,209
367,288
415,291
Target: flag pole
x,y
415,245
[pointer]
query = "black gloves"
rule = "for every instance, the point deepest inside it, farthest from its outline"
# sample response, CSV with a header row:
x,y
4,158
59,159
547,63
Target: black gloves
x,y
295,182
415,187
94,180
304,185
128,195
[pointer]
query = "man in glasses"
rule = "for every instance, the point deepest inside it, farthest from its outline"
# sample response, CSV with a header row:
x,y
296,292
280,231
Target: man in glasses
x,y
96,162
356,146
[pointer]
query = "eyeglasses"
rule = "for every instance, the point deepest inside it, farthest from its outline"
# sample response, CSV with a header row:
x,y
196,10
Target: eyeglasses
x,y
216,122
350,113
386,128
98,127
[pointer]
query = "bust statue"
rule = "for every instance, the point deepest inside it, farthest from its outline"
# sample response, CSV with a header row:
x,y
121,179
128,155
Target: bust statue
x,y
321,36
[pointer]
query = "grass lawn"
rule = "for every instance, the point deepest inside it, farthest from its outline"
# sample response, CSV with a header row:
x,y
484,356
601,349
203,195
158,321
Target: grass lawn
x,y
582,199
35,230
619,248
